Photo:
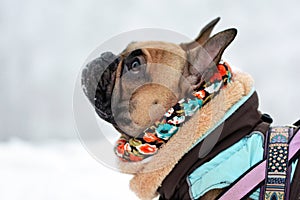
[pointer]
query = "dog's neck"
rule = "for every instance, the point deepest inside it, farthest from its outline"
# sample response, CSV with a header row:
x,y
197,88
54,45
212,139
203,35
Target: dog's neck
x,y
153,138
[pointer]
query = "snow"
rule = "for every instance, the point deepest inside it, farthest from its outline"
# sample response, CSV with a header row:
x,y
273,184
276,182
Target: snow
x,y
57,171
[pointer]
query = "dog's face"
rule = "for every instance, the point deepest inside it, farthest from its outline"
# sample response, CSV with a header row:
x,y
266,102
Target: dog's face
x,y
133,89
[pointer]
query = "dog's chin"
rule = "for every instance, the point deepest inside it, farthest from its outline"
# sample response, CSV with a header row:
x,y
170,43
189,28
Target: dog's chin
x,y
128,127
132,125
128,130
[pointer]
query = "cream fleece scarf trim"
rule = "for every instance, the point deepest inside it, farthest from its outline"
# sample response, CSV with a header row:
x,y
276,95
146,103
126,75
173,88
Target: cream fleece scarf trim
x,y
149,176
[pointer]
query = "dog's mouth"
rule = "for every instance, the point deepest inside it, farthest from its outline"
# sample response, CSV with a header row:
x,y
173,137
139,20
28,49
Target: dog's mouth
x,y
98,80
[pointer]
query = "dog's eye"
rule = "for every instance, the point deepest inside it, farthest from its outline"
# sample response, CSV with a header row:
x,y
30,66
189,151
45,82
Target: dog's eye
x,y
135,65
133,62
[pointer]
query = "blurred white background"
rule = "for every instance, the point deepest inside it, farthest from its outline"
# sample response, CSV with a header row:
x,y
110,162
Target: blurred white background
x,y
44,43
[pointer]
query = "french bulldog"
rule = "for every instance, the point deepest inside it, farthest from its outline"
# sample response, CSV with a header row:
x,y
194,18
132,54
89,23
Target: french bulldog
x,y
136,87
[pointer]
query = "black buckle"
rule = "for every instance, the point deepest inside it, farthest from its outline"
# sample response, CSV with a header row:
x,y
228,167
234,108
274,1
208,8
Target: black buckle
x,y
267,118
297,123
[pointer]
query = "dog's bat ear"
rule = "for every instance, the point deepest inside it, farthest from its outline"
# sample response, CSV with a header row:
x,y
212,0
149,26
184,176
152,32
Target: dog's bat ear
x,y
202,37
208,55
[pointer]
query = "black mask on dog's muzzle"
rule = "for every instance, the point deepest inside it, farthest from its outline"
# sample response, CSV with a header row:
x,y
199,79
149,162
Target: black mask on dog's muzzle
x,y
98,80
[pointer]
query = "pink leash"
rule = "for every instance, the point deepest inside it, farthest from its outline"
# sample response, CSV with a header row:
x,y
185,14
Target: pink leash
x,y
257,175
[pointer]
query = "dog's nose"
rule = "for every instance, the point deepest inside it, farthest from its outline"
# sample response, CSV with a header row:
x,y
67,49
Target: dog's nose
x,y
93,71
97,80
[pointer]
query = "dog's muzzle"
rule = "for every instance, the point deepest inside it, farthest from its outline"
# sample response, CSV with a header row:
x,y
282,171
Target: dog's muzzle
x,y
98,80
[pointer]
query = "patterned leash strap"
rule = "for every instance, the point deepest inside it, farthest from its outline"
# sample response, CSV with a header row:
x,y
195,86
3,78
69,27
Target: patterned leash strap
x,y
277,181
260,173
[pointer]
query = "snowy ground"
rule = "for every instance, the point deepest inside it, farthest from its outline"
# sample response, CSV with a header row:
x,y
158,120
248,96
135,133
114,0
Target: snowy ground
x,y
57,171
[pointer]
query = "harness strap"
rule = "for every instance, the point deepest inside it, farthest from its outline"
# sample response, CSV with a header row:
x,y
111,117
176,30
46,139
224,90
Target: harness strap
x,y
257,175
277,180
295,185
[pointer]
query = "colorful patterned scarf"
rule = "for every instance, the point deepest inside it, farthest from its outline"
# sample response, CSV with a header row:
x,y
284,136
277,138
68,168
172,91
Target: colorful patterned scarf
x,y
149,141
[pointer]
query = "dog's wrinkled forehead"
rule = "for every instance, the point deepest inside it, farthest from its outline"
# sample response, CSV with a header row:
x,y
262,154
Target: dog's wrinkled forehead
x,y
158,52
155,45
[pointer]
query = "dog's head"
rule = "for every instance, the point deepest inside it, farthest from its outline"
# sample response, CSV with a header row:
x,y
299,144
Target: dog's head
x,y
133,89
